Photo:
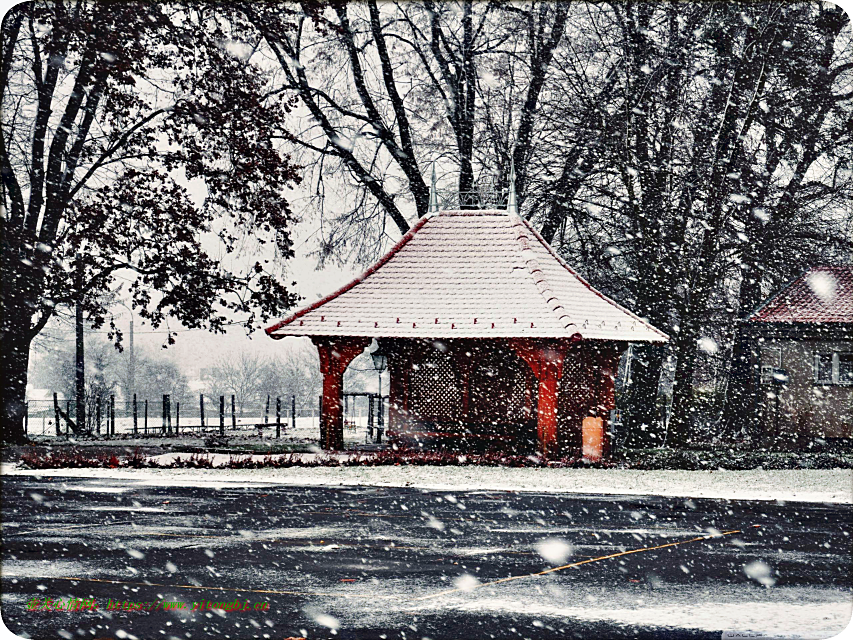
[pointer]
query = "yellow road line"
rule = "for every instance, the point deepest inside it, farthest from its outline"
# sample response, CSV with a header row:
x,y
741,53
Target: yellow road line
x,y
577,564
396,597
192,586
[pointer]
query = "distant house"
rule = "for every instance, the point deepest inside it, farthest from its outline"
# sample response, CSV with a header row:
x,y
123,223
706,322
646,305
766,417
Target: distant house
x,y
803,348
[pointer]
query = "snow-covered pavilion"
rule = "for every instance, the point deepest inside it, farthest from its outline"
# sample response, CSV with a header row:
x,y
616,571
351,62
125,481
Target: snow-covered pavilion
x,y
489,335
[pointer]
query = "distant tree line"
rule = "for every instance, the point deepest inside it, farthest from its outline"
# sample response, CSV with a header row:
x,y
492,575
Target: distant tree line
x,y
252,378
249,377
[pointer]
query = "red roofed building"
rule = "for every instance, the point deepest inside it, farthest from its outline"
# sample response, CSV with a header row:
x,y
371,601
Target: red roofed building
x,y
490,336
802,341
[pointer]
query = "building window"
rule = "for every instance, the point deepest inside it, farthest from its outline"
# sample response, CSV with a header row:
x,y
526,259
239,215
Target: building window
x,y
845,368
823,368
833,368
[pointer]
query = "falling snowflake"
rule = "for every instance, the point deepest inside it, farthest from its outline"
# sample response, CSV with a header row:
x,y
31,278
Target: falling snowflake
x,y
466,582
554,550
760,572
823,285
708,345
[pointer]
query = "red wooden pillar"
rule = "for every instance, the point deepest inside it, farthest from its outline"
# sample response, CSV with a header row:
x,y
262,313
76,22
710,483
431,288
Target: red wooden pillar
x,y
335,355
551,370
545,359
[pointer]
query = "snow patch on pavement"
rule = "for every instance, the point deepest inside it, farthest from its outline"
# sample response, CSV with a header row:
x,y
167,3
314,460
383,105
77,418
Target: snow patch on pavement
x,y
807,620
110,507
802,485
41,568
90,488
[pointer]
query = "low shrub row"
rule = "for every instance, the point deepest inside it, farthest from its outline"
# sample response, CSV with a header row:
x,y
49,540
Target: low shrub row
x,y
71,459
388,457
731,460
649,459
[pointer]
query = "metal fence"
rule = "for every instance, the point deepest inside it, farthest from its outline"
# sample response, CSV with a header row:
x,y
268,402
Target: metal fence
x,y
168,416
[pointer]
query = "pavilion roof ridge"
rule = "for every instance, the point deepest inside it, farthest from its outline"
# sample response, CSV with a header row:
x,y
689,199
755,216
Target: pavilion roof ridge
x,y
564,265
471,212
528,258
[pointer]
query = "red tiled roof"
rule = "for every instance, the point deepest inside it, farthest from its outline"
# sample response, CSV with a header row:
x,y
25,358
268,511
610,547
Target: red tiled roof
x,y
821,294
469,274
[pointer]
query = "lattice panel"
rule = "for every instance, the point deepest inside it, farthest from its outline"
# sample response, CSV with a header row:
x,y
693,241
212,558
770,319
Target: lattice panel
x,y
435,392
575,397
515,407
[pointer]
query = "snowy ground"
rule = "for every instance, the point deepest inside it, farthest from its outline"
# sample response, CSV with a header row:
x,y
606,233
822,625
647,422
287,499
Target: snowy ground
x,y
307,429
804,485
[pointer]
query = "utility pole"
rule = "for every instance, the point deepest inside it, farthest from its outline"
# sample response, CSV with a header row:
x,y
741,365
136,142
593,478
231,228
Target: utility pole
x,y
80,364
131,365
131,374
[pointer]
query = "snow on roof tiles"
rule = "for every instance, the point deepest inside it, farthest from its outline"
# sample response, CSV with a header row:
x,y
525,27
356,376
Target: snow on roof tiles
x,y
469,274
821,294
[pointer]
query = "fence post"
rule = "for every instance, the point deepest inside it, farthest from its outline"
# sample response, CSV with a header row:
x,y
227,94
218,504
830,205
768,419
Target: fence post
x,y
169,414
380,419
222,415
267,411
98,415
135,416
113,414
56,412
145,424
177,417
277,417
201,408
26,416
67,416
233,414
293,412
163,414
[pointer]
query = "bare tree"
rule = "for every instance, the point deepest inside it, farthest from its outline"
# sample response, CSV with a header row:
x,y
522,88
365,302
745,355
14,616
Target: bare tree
x,y
241,375
693,158
296,373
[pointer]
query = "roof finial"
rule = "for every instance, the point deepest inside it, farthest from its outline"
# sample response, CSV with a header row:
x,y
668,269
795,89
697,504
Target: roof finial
x,y
512,201
433,193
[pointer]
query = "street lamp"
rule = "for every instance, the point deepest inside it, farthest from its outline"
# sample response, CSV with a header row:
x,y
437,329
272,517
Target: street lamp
x,y
380,363
380,360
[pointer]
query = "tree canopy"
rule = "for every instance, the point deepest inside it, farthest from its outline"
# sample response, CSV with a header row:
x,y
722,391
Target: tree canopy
x,y
111,113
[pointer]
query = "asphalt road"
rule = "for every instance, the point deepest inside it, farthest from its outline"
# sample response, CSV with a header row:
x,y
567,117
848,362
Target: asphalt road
x,y
392,563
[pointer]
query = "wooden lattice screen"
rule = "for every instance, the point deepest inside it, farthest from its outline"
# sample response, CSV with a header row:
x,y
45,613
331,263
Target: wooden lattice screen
x,y
435,390
496,390
574,398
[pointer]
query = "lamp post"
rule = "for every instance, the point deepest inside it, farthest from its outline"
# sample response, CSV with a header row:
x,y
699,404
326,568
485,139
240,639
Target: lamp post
x,y
380,363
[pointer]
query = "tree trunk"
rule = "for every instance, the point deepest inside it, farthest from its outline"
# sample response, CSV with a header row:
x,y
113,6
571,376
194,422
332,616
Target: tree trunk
x,y
682,413
741,387
14,362
641,415
80,358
